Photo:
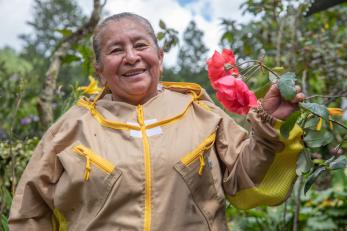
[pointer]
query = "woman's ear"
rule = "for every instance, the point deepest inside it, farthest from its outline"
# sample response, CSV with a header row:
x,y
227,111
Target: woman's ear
x,y
98,69
161,60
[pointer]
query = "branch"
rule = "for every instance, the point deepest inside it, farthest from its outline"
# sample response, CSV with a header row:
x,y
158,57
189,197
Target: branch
x,y
297,204
279,41
336,91
338,123
44,105
334,121
304,81
325,96
12,154
320,5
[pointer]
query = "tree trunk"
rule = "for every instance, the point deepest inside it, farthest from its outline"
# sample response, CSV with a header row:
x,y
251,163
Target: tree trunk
x,y
44,105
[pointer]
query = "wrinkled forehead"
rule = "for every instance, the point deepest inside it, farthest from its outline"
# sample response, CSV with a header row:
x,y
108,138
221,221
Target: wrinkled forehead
x,y
125,26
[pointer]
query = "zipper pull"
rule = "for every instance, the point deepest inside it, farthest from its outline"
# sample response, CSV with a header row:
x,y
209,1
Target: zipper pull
x,y
202,163
88,168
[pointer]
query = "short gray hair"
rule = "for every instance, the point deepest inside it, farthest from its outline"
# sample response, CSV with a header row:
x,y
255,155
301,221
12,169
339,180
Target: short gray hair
x,y
115,18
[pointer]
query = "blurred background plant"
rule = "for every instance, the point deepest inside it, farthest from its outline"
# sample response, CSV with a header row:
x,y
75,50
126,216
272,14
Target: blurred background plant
x,y
305,37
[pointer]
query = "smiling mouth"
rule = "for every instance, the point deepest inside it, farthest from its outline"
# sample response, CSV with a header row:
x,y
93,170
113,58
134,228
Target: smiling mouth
x,y
133,73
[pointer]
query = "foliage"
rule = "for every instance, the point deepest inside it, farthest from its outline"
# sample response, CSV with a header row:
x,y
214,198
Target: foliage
x,y
191,64
279,32
313,47
53,20
14,156
193,53
168,36
15,88
323,210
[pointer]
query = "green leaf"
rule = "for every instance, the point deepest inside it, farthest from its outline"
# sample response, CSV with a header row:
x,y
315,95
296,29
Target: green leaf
x,y
261,91
317,109
7,198
64,32
278,70
229,36
321,223
338,163
160,35
304,163
312,178
286,85
70,58
4,223
311,123
316,139
273,78
289,123
162,24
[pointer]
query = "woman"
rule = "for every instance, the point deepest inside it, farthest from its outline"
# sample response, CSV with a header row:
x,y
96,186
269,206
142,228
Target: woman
x,y
145,155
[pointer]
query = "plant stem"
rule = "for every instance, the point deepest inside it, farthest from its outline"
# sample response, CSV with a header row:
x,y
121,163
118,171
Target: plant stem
x,y
248,61
248,70
261,64
297,204
13,157
325,96
251,73
338,123
334,121
285,214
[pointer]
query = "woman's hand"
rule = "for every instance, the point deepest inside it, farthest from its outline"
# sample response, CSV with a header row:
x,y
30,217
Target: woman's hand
x,y
279,108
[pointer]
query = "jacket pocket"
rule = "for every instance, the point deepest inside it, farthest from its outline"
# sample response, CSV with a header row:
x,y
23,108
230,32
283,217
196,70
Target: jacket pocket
x,y
198,153
92,158
84,186
193,168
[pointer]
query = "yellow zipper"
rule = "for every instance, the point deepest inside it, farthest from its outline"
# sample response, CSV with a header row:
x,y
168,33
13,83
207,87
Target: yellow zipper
x,y
147,161
91,157
198,153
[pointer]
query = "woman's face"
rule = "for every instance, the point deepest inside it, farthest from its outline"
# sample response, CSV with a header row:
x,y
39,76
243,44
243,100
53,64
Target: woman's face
x,y
130,62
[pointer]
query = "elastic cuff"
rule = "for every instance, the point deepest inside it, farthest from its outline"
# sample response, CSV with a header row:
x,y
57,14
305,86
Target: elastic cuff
x,y
263,115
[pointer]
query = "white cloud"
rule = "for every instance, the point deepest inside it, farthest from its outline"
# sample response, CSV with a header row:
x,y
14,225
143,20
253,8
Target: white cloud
x,y
175,16
13,17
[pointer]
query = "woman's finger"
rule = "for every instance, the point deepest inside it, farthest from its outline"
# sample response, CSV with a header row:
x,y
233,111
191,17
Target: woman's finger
x,y
297,88
298,98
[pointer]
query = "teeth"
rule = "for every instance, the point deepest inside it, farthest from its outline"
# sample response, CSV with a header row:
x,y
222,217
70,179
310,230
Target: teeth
x,y
133,73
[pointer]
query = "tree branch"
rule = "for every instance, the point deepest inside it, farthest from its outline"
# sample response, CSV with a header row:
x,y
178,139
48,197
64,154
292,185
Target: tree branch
x,y
320,5
44,105
326,96
297,204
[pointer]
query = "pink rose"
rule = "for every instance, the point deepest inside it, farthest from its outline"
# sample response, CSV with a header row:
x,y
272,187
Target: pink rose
x,y
220,65
234,94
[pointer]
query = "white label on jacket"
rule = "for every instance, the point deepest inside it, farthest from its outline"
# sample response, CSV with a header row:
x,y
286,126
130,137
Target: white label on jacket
x,y
149,132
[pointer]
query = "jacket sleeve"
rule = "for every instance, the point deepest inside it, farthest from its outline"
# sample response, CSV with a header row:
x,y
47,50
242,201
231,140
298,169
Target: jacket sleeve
x,y
32,204
259,167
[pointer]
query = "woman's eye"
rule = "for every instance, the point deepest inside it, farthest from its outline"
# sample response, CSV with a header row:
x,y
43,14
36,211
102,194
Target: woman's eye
x,y
140,45
116,50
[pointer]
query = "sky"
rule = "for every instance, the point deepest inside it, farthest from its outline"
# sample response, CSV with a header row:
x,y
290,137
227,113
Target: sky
x,y
15,14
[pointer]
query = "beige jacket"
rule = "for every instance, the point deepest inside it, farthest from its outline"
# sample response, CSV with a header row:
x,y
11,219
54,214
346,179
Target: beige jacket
x,y
166,165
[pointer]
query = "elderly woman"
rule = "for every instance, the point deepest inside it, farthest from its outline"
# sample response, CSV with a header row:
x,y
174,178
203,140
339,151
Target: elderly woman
x,y
145,155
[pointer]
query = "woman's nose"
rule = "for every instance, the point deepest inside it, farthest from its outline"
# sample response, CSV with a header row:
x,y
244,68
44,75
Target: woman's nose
x,y
131,57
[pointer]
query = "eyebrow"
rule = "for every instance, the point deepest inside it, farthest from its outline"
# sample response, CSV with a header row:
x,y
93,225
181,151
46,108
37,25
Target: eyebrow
x,y
118,43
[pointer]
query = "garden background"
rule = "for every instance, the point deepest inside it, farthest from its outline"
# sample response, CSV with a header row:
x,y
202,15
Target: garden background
x,y
40,80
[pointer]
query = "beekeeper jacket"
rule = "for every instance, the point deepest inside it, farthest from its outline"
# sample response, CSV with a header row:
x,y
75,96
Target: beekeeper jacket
x,y
169,164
